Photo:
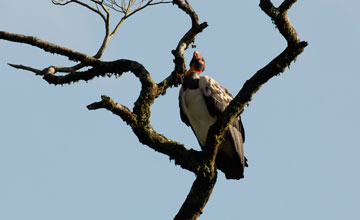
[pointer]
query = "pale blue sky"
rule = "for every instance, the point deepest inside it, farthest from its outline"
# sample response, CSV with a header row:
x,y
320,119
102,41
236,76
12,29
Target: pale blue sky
x,y
60,161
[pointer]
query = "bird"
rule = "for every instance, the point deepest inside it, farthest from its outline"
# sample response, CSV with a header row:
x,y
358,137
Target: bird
x,y
202,100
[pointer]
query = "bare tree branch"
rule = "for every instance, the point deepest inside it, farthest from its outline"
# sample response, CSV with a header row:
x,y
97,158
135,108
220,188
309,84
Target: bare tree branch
x,y
276,66
281,20
49,47
185,6
107,33
82,4
176,77
286,5
36,71
118,109
200,193
187,159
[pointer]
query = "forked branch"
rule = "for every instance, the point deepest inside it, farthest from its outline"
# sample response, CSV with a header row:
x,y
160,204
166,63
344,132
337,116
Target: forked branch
x,y
276,66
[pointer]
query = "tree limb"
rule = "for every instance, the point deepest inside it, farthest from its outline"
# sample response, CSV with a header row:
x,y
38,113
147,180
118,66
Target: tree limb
x,y
176,76
276,66
187,159
281,19
17,66
200,193
49,47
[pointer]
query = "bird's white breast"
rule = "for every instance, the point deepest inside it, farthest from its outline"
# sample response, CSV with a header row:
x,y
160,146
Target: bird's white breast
x,y
194,107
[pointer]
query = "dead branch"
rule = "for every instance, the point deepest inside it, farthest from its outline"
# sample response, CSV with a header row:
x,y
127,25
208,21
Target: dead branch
x,y
276,66
176,76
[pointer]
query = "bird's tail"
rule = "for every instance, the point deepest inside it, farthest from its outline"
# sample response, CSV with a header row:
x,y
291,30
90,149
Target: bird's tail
x,y
230,166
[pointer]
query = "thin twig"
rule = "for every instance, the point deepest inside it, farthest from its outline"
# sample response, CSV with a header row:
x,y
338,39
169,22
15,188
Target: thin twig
x,y
36,71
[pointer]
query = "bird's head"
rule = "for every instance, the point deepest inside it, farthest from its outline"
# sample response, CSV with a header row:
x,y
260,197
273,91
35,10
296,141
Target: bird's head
x,y
197,64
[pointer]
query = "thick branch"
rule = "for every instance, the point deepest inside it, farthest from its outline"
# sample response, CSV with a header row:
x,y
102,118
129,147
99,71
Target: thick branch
x,y
197,198
103,69
281,20
120,110
186,7
251,86
286,5
187,159
275,67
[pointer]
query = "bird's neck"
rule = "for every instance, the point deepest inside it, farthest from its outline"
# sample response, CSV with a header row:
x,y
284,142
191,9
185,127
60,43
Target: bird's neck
x,y
191,81
193,70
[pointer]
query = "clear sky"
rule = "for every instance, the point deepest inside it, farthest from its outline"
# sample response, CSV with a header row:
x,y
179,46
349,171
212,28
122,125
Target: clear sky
x,y
60,161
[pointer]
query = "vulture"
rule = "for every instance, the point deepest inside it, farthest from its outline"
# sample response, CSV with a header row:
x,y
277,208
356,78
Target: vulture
x,y
202,100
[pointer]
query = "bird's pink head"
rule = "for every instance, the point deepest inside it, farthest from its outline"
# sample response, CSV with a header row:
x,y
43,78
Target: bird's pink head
x,y
197,64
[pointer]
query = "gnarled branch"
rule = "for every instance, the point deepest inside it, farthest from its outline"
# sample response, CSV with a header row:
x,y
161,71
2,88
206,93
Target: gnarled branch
x,y
175,78
251,86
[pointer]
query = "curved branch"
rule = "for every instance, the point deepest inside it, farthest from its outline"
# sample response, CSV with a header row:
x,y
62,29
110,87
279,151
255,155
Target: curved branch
x,y
176,76
286,5
276,66
187,159
120,110
82,4
186,7
281,20
197,198
103,69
